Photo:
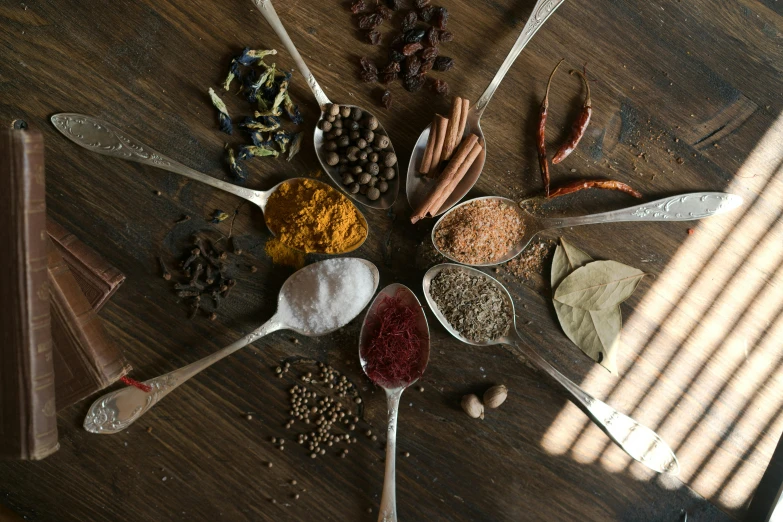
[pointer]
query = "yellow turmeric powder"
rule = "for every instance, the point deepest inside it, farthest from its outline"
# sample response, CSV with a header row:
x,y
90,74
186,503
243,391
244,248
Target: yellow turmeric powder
x,y
313,217
284,255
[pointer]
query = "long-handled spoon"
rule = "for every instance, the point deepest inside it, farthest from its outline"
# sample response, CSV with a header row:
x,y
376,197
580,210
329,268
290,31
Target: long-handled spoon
x,y
387,199
636,440
104,138
388,511
119,409
417,186
685,207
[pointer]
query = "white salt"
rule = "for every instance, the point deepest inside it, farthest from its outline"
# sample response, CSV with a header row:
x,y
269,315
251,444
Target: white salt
x,y
326,295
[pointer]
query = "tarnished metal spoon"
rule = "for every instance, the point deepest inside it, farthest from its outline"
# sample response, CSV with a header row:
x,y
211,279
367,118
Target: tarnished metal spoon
x,y
417,187
636,440
388,198
117,410
388,510
684,207
104,138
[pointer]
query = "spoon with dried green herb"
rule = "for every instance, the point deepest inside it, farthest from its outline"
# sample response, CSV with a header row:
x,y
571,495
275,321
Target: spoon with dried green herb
x,y
477,309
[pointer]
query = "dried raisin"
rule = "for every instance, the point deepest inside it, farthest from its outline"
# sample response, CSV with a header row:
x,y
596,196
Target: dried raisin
x,y
386,99
427,13
358,6
391,67
443,63
431,37
440,18
426,66
409,22
446,36
370,21
414,35
394,5
395,55
373,37
367,65
412,65
411,48
368,77
384,12
421,3
413,83
387,77
439,87
429,53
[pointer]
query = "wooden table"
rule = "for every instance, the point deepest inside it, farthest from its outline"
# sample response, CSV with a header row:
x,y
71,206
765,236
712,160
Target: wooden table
x,y
687,97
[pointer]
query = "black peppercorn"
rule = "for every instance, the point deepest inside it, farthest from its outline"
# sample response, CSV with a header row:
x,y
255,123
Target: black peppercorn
x,y
389,173
353,125
367,134
372,168
331,119
382,186
371,122
361,143
343,141
354,135
373,193
338,124
347,179
333,109
364,178
325,125
356,170
356,114
345,111
351,153
382,141
337,132
390,159
332,158
363,157
353,189
373,157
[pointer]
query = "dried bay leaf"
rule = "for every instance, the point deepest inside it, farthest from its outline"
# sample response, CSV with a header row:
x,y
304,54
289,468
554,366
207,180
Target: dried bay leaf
x,y
599,285
595,332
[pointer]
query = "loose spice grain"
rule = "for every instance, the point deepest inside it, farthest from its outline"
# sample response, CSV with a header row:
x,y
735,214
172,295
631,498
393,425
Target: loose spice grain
x,y
480,232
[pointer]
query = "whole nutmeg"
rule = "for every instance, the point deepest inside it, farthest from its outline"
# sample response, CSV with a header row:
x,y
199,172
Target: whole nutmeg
x,y
352,153
371,122
337,132
372,168
333,109
368,135
362,155
330,146
356,113
345,111
354,188
388,173
338,124
330,135
373,181
356,169
381,141
354,135
382,186
373,156
361,143
332,158
390,159
364,178
348,179
373,193
325,125
343,141
472,406
495,396
331,119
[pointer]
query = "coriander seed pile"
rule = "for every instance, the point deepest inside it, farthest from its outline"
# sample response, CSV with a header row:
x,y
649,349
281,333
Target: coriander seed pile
x,y
472,304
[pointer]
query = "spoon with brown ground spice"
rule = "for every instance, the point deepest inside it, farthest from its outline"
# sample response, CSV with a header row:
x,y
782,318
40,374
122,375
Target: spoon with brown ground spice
x,y
346,234
468,296
478,233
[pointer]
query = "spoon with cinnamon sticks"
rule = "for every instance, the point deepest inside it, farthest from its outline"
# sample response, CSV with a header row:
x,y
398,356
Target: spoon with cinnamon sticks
x,y
436,182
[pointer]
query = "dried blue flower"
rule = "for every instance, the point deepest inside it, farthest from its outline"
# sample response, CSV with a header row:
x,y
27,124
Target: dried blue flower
x,y
296,143
218,216
237,169
252,151
233,72
262,124
260,141
282,89
282,138
249,57
292,110
225,119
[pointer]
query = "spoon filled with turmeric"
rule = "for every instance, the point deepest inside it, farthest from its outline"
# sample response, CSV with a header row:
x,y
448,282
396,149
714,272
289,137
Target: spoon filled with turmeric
x,y
304,214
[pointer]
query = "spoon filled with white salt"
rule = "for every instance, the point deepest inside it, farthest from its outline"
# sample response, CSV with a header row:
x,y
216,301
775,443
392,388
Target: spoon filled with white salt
x,y
316,300
477,309
394,349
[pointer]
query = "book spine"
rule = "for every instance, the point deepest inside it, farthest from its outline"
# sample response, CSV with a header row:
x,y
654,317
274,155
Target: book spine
x,y
28,421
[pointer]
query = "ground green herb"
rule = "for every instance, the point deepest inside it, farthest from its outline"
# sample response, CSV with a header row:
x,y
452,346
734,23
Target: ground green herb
x,y
472,304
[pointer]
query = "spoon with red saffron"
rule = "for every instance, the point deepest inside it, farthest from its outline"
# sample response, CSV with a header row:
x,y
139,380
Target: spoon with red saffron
x,y
394,348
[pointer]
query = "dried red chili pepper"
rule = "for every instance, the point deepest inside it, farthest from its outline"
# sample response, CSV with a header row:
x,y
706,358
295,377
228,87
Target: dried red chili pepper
x,y
541,134
579,127
606,184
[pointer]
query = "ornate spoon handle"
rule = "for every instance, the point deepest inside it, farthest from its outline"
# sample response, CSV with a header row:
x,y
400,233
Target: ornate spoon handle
x,y
640,442
268,10
119,409
104,138
685,207
388,510
541,12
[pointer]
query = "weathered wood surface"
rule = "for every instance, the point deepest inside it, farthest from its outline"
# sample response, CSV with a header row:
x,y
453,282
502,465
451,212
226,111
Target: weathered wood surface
x,y
697,80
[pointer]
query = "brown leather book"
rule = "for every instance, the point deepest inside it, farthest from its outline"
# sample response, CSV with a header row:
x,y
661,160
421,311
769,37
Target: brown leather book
x,y
28,415
85,360
96,277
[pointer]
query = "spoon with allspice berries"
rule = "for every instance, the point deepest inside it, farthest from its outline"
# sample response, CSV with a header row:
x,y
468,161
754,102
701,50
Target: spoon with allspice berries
x,y
353,147
104,138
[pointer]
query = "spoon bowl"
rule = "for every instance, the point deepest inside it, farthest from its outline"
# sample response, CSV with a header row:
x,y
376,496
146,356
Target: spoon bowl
x,y
388,509
638,441
388,198
682,207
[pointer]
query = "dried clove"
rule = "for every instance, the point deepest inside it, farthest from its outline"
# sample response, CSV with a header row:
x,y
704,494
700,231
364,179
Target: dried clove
x,y
164,270
188,293
194,254
198,269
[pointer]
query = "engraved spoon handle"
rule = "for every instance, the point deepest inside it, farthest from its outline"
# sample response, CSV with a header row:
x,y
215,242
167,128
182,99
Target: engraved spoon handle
x,y
388,510
268,10
640,442
104,138
685,207
119,409
541,12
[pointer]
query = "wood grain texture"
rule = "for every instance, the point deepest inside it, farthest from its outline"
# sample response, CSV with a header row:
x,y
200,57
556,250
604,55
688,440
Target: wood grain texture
x,y
687,98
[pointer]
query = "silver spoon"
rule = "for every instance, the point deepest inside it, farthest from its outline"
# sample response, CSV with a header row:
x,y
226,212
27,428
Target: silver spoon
x,y
388,198
636,440
417,187
119,409
388,510
685,207
104,138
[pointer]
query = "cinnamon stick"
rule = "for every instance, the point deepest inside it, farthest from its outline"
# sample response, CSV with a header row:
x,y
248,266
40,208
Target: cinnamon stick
x,y
440,140
426,161
452,140
446,179
463,119
460,173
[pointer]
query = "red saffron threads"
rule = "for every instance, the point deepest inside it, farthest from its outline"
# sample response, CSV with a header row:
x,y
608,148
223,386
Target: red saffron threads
x,y
393,353
136,384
